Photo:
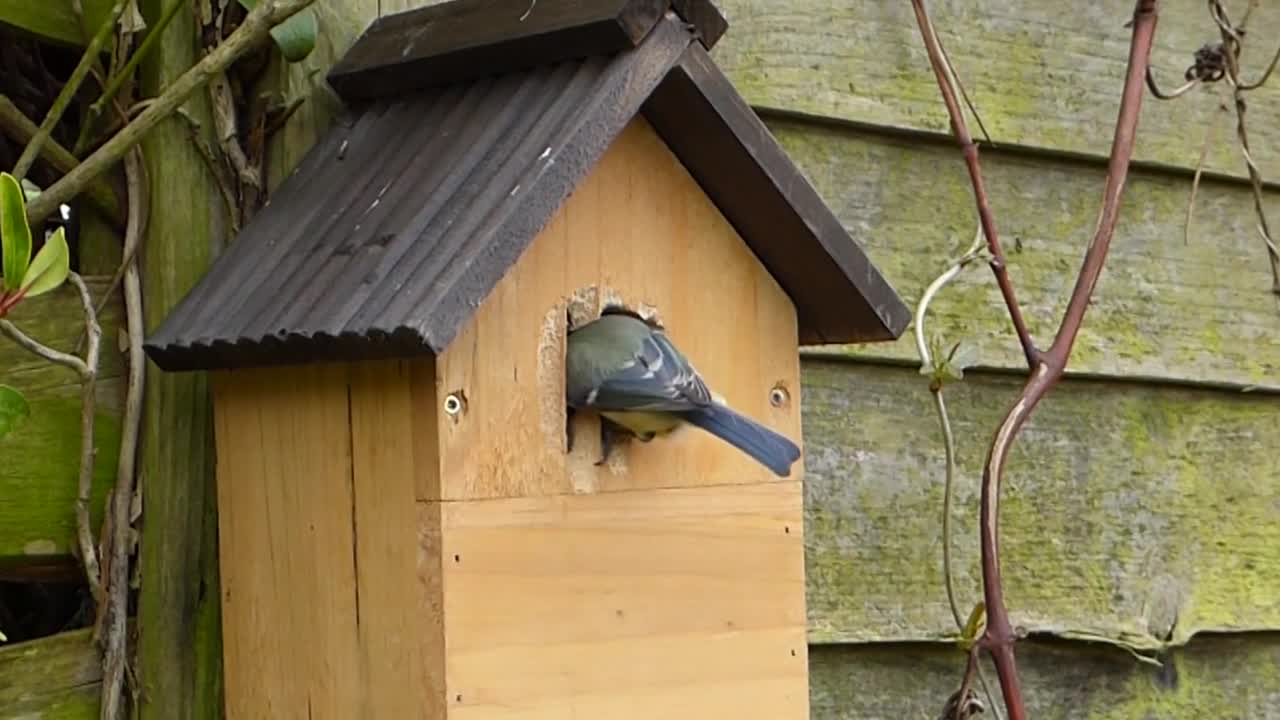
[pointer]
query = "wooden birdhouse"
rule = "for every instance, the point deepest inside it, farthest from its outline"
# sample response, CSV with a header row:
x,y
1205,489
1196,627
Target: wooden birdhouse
x,y
405,528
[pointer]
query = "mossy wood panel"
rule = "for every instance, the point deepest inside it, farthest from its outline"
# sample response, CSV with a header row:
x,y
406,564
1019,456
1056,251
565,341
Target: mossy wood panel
x,y
1132,511
53,678
40,460
1040,77
1236,677
1198,310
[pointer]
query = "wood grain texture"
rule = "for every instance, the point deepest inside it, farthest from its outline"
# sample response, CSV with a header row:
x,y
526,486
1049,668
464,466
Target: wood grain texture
x,y
653,603
342,23
316,489
1040,77
179,651
286,544
1131,511
468,39
53,678
1214,677
392,630
1166,308
637,229
41,457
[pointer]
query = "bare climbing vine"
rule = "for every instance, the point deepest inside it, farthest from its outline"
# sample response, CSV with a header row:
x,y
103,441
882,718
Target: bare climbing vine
x,y
1220,62
1047,366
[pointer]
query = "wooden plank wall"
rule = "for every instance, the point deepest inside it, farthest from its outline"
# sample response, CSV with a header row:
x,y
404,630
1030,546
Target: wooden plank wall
x,y
1143,500
1142,504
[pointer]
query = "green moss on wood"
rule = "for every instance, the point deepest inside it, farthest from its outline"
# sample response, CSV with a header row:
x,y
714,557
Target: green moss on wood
x,y
1040,77
179,673
38,476
1133,512
53,678
1199,312
1214,677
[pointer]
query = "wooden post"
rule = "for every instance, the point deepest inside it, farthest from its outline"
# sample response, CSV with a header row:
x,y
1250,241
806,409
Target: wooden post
x,y
179,650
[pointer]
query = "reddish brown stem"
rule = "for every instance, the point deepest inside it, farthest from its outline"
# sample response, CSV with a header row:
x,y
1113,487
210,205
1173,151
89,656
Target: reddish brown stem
x,y
999,635
961,131
1047,367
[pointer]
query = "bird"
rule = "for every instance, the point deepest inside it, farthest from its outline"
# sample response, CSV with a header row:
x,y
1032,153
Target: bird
x,y
627,370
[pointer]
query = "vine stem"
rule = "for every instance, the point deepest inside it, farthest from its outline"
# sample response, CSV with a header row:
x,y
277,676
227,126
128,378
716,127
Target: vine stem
x,y
60,103
1049,366
87,371
255,29
971,255
960,128
115,659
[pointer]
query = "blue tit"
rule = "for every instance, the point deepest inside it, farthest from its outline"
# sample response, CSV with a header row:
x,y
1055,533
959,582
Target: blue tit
x,y
630,373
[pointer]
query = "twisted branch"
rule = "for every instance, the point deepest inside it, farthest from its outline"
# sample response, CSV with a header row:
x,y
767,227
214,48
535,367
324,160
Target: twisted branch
x,y
1048,366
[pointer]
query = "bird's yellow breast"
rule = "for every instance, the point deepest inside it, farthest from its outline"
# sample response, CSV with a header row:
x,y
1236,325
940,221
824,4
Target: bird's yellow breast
x,y
645,424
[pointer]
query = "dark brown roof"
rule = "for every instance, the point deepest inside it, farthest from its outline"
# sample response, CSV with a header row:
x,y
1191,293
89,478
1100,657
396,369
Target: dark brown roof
x,y
401,220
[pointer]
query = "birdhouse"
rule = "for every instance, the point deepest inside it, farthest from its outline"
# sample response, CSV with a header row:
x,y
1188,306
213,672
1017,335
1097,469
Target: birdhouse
x,y
412,521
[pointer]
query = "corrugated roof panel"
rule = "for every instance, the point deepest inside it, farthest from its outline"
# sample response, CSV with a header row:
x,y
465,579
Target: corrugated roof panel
x,y
401,220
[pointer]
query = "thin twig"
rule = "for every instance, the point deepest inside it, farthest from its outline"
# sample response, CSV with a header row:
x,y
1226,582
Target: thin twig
x,y
216,168
961,130
926,359
1266,75
35,347
87,371
115,659
21,129
948,436
1195,180
253,31
90,56
1185,88
1231,41
999,636
118,79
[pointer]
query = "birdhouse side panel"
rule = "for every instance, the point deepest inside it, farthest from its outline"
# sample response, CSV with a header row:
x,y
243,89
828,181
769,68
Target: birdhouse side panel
x,y
638,230
324,611
660,603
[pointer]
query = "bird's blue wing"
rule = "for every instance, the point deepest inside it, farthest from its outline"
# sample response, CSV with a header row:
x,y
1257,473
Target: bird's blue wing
x,y
657,378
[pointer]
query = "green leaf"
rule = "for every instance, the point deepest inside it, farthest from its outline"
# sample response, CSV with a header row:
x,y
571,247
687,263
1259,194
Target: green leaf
x,y
15,234
51,266
13,410
296,36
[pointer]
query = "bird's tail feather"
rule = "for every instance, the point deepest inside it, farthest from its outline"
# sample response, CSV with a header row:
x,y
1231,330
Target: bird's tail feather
x,y
770,449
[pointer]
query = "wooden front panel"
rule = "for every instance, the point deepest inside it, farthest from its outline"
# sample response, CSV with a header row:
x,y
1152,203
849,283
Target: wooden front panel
x,y
684,604
639,229
322,613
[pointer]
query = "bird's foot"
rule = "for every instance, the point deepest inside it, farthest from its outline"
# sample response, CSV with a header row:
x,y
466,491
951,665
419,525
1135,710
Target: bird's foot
x,y
610,432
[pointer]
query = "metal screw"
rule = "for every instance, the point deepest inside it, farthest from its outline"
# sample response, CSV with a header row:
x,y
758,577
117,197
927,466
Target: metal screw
x,y
779,397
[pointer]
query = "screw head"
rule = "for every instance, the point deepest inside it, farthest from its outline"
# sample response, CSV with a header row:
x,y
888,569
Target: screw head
x,y
779,397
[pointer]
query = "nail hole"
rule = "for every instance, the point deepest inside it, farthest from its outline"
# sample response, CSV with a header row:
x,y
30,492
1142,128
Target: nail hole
x,y
779,397
793,653
455,403
458,698
787,529
457,558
